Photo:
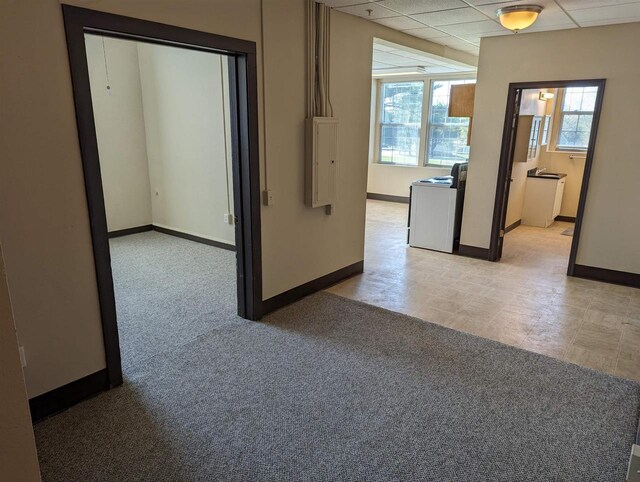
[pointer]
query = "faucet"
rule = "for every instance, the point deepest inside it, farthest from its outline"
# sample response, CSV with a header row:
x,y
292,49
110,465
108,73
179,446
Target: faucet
x,y
540,169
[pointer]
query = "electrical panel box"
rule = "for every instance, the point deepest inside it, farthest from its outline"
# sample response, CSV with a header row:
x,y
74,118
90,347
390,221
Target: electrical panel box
x,y
321,170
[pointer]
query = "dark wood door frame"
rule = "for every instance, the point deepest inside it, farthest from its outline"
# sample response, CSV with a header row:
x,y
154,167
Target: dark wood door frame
x,y
244,134
506,161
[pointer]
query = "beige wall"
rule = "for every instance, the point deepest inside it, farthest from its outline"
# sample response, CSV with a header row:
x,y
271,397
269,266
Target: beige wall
x,y
120,129
18,459
611,225
186,117
44,224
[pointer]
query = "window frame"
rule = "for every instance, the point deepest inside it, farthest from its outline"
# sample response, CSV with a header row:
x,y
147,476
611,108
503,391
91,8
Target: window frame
x,y
558,118
378,125
424,124
447,78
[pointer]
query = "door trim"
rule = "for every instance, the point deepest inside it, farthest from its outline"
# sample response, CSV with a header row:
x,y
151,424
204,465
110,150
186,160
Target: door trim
x,y
506,157
244,134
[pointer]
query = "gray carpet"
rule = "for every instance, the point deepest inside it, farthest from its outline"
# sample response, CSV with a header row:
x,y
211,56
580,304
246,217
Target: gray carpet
x,y
333,389
169,291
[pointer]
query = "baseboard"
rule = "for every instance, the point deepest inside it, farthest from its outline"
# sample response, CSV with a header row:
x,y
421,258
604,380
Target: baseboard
x,y
568,219
128,231
68,395
607,275
513,226
388,197
306,289
473,252
192,237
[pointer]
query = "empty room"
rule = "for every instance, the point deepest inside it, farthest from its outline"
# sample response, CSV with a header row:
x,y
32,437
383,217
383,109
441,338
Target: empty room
x,y
337,240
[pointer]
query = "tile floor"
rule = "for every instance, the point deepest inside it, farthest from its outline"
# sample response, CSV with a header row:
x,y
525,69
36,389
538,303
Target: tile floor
x,y
525,300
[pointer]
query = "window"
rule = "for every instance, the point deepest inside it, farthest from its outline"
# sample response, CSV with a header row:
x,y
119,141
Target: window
x,y
545,130
532,152
400,122
447,135
576,114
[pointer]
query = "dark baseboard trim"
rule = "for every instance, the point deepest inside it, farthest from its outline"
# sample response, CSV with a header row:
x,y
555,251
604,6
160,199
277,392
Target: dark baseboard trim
x,y
192,237
607,275
473,252
68,395
388,197
311,287
568,219
128,231
513,226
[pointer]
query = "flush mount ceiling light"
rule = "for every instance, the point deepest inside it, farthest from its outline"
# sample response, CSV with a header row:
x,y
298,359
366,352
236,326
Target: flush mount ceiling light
x,y
518,17
546,95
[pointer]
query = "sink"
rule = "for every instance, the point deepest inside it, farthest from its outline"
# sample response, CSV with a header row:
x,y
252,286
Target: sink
x,y
549,174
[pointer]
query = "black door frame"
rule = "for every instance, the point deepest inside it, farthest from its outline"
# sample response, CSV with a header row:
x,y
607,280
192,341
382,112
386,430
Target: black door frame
x,y
506,164
245,152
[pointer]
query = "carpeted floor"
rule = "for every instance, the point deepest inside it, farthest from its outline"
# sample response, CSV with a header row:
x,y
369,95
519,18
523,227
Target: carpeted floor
x,y
333,389
169,291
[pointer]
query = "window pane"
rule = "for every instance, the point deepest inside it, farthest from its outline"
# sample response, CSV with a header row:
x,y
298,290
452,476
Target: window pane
x,y
399,144
401,118
447,135
402,102
577,114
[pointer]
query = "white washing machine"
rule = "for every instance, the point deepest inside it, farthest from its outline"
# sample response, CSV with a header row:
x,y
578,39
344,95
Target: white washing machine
x,y
433,215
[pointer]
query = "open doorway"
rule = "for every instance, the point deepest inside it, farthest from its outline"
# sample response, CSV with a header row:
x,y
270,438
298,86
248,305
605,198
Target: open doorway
x,y
181,191
548,143
162,124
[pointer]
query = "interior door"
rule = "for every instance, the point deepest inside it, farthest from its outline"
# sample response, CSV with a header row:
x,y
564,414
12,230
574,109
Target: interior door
x,y
507,180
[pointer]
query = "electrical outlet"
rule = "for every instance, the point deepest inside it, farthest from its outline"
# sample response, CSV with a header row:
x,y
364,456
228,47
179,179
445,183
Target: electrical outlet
x,y
228,218
23,357
268,198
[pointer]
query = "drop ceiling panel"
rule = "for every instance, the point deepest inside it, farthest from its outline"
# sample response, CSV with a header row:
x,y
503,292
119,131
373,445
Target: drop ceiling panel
x,y
471,28
377,11
409,7
450,17
579,4
456,43
401,56
426,33
397,60
603,14
400,23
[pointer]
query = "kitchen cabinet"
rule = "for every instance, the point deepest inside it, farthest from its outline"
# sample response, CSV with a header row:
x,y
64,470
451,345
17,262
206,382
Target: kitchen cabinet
x,y
542,200
461,98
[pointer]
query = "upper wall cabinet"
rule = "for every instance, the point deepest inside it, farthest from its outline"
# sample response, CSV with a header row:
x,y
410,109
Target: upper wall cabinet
x,y
461,99
461,103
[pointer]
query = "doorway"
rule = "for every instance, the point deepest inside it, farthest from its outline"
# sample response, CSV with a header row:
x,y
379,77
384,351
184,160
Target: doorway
x,y
567,125
243,123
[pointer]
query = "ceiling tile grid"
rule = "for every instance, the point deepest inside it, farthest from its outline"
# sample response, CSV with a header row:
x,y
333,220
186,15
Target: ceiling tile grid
x,y
460,24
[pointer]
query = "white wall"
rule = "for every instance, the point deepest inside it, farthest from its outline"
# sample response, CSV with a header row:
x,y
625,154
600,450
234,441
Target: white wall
x,y
611,225
186,114
395,180
120,129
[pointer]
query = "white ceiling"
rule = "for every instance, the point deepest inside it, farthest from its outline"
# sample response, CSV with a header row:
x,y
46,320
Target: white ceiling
x,y
461,23
387,55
